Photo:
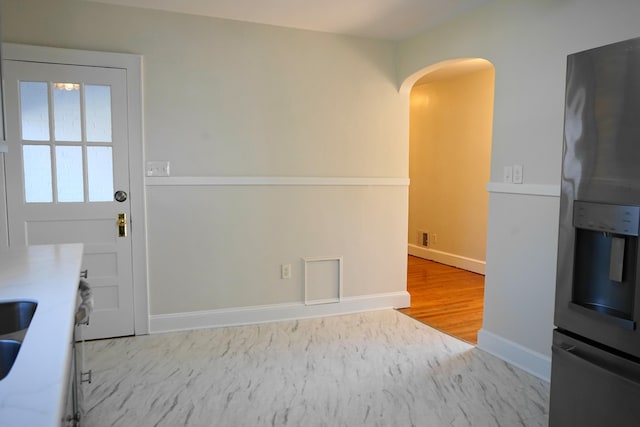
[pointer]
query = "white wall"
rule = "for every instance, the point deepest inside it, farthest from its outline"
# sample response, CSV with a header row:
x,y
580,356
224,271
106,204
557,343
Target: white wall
x,y
236,238
229,99
224,98
449,160
527,41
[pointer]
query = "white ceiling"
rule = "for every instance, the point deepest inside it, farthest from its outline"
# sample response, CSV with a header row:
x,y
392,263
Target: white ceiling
x,y
380,19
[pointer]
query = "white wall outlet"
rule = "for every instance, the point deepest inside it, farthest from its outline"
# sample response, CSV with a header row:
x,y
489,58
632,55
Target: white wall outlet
x,y
517,174
434,238
158,168
285,271
507,175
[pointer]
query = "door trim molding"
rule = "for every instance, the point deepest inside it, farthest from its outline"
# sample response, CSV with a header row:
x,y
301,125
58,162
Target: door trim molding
x,y
132,64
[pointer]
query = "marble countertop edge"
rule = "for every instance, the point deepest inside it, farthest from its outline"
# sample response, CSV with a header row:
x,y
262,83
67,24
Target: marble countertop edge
x,y
33,393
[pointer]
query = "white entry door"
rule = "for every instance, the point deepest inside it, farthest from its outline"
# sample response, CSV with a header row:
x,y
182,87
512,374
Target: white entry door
x,y
68,156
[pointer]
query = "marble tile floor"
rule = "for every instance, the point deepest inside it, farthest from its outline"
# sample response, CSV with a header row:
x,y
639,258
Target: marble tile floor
x,y
379,368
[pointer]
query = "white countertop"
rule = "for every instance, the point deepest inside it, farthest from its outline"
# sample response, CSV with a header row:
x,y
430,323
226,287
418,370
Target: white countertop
x,y
33,394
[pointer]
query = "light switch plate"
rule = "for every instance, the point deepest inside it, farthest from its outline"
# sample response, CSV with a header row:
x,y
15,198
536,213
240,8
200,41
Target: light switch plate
x,y
507,175
517,174
158,168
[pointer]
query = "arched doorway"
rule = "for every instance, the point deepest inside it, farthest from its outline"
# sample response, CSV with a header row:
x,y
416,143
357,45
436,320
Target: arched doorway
x,y
451,116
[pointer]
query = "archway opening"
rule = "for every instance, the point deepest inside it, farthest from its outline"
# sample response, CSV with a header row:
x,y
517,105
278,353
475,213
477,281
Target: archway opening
x,y
451,117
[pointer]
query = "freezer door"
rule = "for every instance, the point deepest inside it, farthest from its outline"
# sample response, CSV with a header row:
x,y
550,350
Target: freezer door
x,y
592,387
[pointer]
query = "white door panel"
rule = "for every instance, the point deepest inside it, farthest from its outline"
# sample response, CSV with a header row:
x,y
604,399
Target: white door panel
x,y
68,155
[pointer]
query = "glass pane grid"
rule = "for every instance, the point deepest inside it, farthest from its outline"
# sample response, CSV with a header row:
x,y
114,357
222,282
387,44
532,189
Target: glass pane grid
x,y
37,173
98,113
100,173
76,165
67,111
69,173
34,111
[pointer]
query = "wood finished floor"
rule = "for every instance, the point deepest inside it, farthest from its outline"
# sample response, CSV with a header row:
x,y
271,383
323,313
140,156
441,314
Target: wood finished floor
x,y
444,297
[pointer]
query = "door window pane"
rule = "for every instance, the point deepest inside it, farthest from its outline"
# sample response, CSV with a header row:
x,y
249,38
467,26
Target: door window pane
x,y
34,110
66,111
37,173
98,113
100,174
82,172
69,174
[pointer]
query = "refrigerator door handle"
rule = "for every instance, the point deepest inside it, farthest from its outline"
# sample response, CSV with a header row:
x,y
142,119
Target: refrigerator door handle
x,y
592,387
592,361
567,347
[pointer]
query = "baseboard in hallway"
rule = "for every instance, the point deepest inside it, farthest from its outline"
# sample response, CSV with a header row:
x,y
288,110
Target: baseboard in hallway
x,y
448,258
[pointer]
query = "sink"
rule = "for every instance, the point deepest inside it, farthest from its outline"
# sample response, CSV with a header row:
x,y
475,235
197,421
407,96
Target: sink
x,y
8,353
15,316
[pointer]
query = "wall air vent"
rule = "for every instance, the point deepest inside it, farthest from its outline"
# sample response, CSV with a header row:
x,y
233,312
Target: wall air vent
x,y
424,238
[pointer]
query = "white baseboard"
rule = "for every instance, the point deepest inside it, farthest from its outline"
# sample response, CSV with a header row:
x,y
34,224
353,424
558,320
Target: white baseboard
x,y
528,360
274,313
469,264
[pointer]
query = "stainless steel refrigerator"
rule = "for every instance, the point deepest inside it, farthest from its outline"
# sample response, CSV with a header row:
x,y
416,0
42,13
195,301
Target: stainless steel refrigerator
x,y
595,374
